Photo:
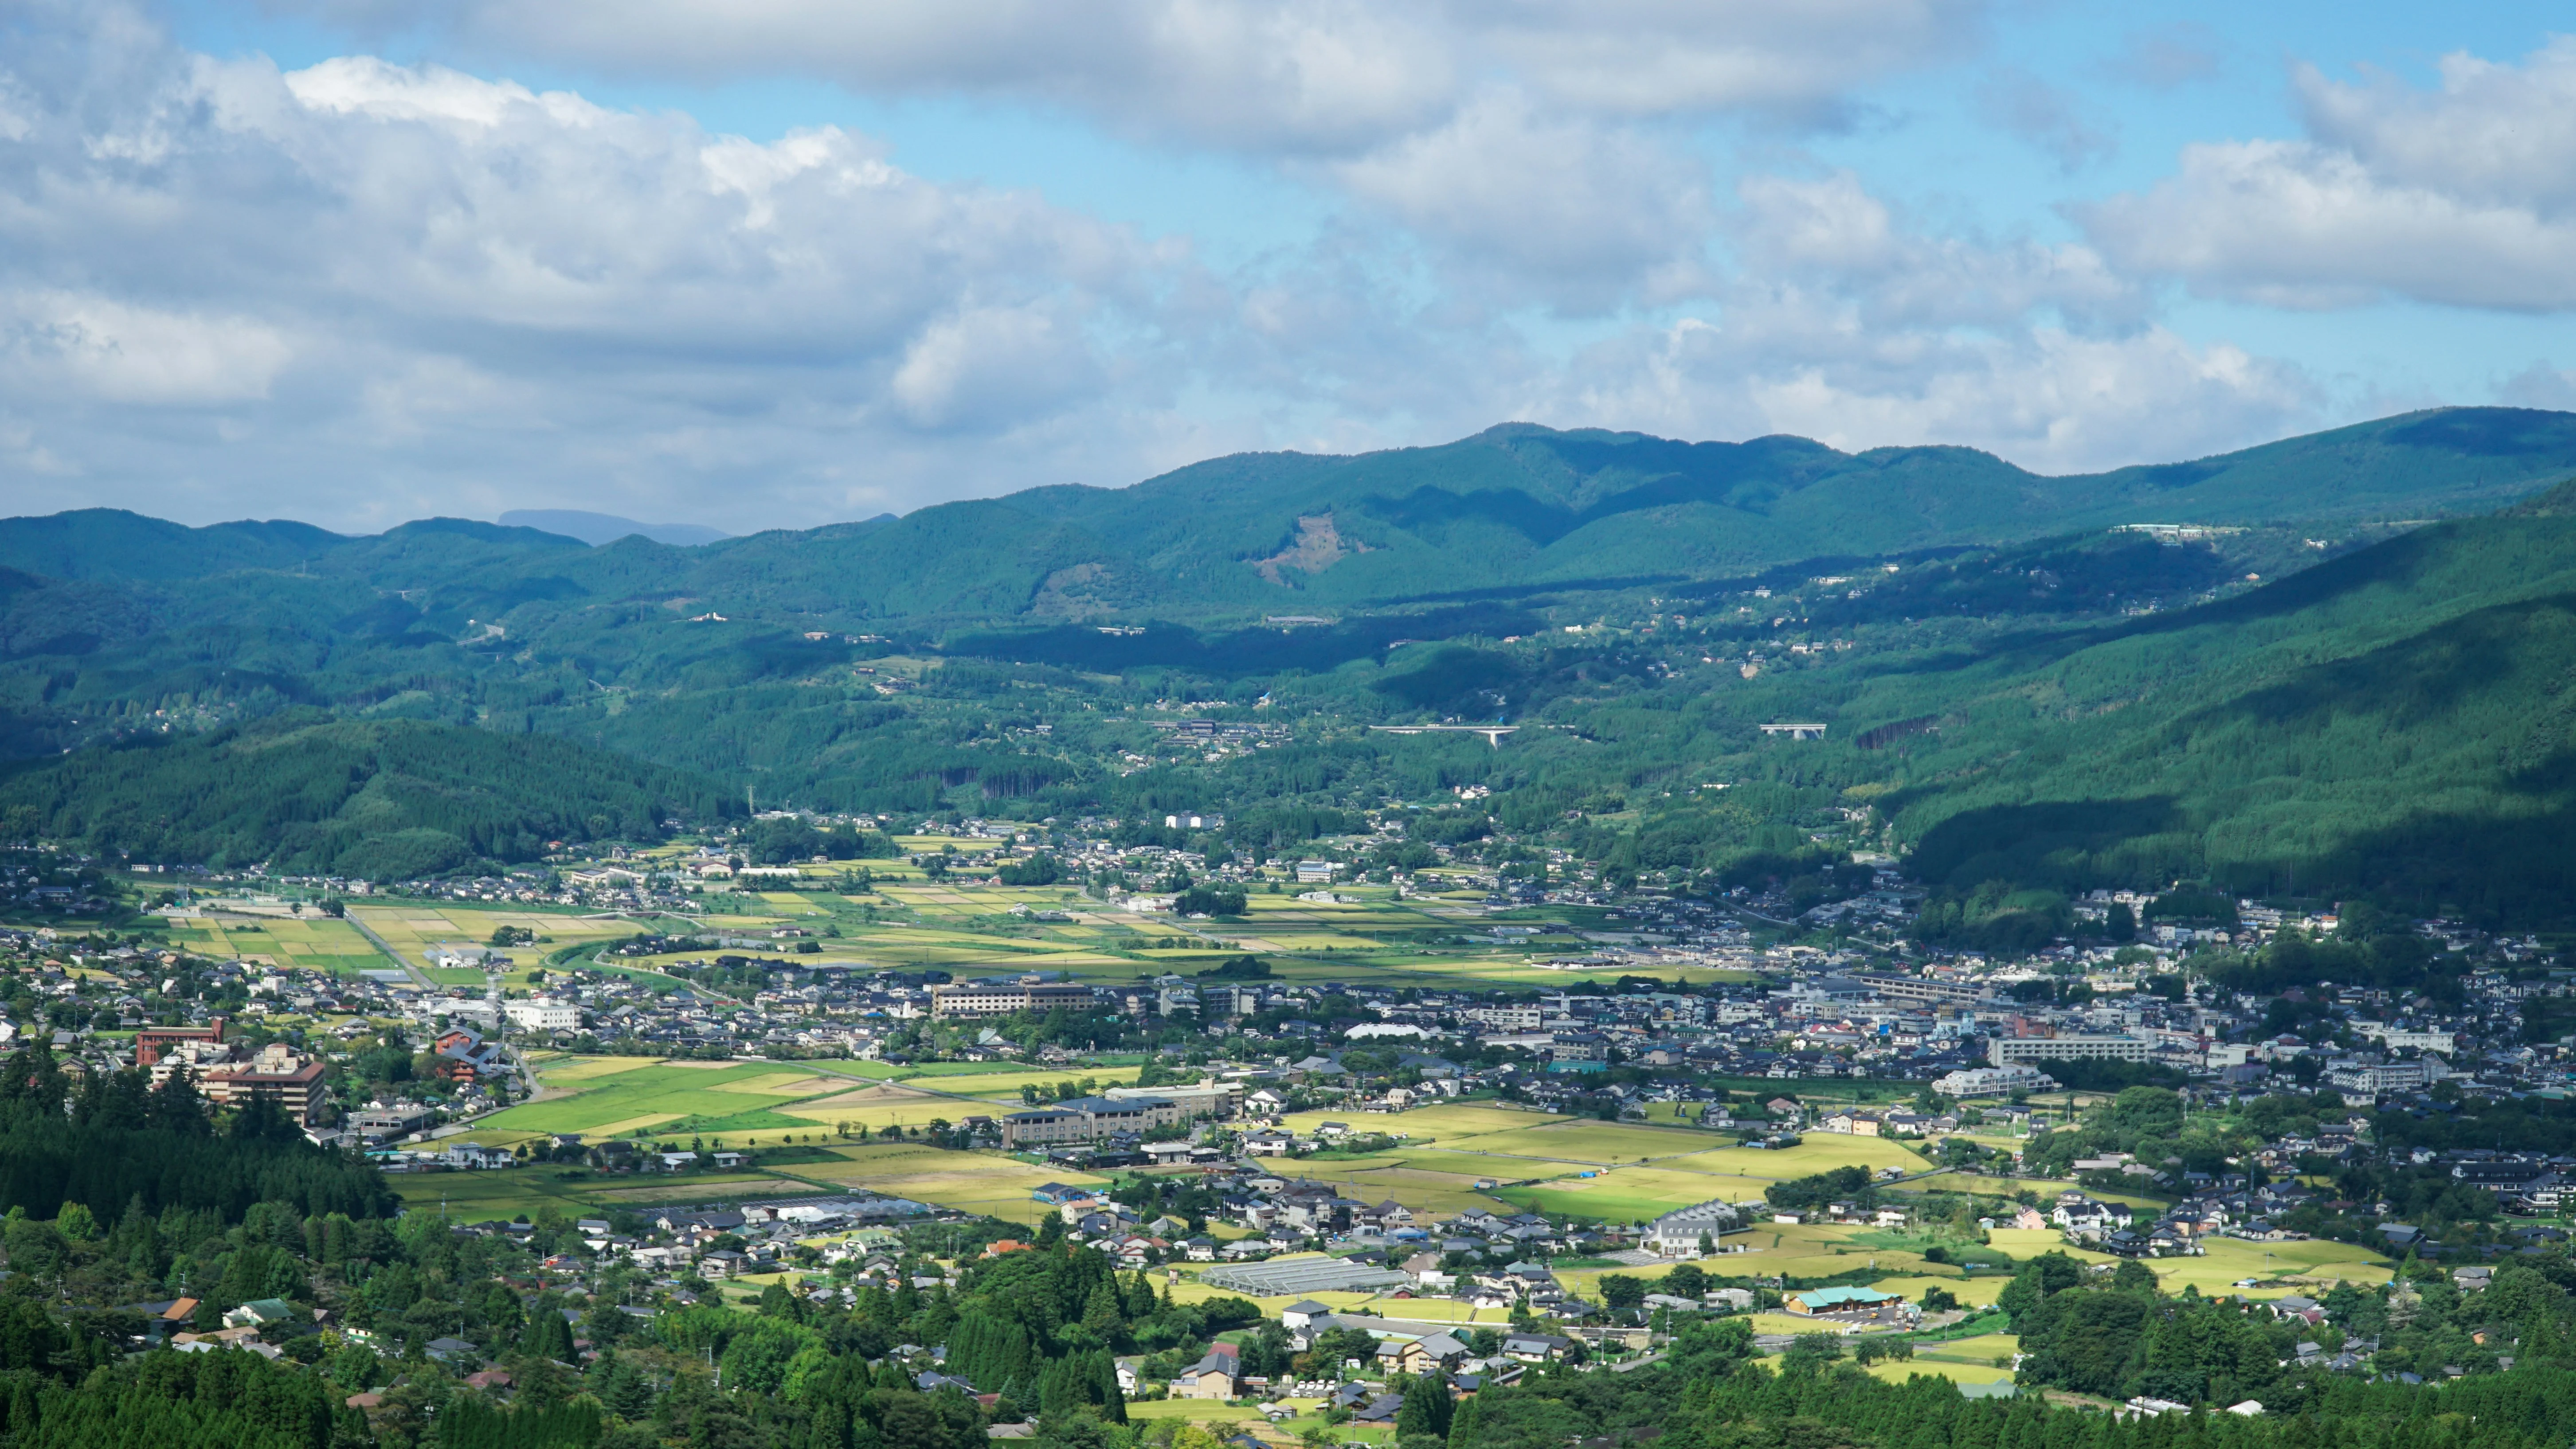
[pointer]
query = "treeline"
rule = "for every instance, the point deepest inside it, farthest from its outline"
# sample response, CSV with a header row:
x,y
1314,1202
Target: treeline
x,y
118,1140
378,800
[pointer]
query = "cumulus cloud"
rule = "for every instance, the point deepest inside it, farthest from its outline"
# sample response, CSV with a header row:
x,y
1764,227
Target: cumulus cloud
x,y
361,255
2465,196
1323,76
361,292
2048,399
1588,214
1831,233
1850,325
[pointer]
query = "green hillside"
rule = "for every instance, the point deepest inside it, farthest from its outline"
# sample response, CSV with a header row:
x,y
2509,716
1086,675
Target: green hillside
x,y
337,797
2324,696
2396,722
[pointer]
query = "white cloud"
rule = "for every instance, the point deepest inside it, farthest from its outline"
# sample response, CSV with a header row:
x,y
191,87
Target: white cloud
x,y
1325,76
452,277
362,292
1830,234
2043,397
1584,214
2464,196
92,347
993,365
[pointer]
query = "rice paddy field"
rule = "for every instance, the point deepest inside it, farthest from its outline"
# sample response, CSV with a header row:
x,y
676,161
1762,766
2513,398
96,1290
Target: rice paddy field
x,y
636,1096
976,1182
414,931
317,944
907,920
1961,1361
481,1196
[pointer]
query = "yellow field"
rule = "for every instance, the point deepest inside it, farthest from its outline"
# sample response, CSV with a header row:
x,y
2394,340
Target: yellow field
x,y
583,1069
2031,1242
781,1084
1443,1122
2299,1267
1005,1085
634,1124
1816,1152
1974,1292
970,1181
1896,1372
1985,1348
877,1108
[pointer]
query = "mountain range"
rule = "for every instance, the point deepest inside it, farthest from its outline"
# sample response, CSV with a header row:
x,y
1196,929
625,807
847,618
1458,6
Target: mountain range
x,y
1517,507
2353,671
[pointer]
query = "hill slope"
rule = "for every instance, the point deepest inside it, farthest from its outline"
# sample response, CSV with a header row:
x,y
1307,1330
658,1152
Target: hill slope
x,y
1514,507
381,800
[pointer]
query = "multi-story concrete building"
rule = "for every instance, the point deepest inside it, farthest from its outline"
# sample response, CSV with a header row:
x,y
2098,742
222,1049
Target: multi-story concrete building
x,y
1086,1119
1005,998
2005,1051
543,1013
294,1081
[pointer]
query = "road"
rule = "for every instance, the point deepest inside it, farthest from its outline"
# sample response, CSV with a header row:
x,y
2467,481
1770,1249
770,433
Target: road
x,y
419,977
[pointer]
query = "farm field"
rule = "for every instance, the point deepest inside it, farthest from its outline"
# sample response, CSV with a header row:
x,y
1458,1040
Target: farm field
x,y
1897,1372
978,1182
2298,1267
1639,1172
1004,1086
1443,1122
317,944
877,1108
574,1192
1975,1292
414,930
688,1098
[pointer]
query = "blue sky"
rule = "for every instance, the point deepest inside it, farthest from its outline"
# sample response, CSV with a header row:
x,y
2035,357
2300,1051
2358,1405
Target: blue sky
x,y
779,262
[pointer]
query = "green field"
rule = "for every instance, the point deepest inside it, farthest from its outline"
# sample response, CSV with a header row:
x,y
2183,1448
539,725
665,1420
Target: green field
x,y
318,944
690,1098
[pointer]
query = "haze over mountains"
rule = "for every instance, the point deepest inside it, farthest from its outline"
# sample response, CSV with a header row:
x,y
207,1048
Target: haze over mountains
x,y
598,528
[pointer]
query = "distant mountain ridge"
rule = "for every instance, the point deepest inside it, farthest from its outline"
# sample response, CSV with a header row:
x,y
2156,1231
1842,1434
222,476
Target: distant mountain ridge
x,y
596,529
1516,507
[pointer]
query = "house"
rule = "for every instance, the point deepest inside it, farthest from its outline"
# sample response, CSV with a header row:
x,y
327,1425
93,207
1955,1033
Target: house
x,y
1535,1347
2085,1217
1305,1314
1212,1377
169,1316
260,1313
1422,1355
1380,1410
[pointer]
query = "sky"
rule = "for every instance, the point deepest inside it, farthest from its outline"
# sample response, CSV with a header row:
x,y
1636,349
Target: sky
x,y
776,263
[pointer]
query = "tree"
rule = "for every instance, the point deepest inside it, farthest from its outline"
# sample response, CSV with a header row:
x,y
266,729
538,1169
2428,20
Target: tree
x,y
1428,1407
1811,1351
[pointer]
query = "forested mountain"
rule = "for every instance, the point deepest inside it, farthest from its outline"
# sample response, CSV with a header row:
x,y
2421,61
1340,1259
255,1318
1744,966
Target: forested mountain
x,y
2312,689
1516,506
375,799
